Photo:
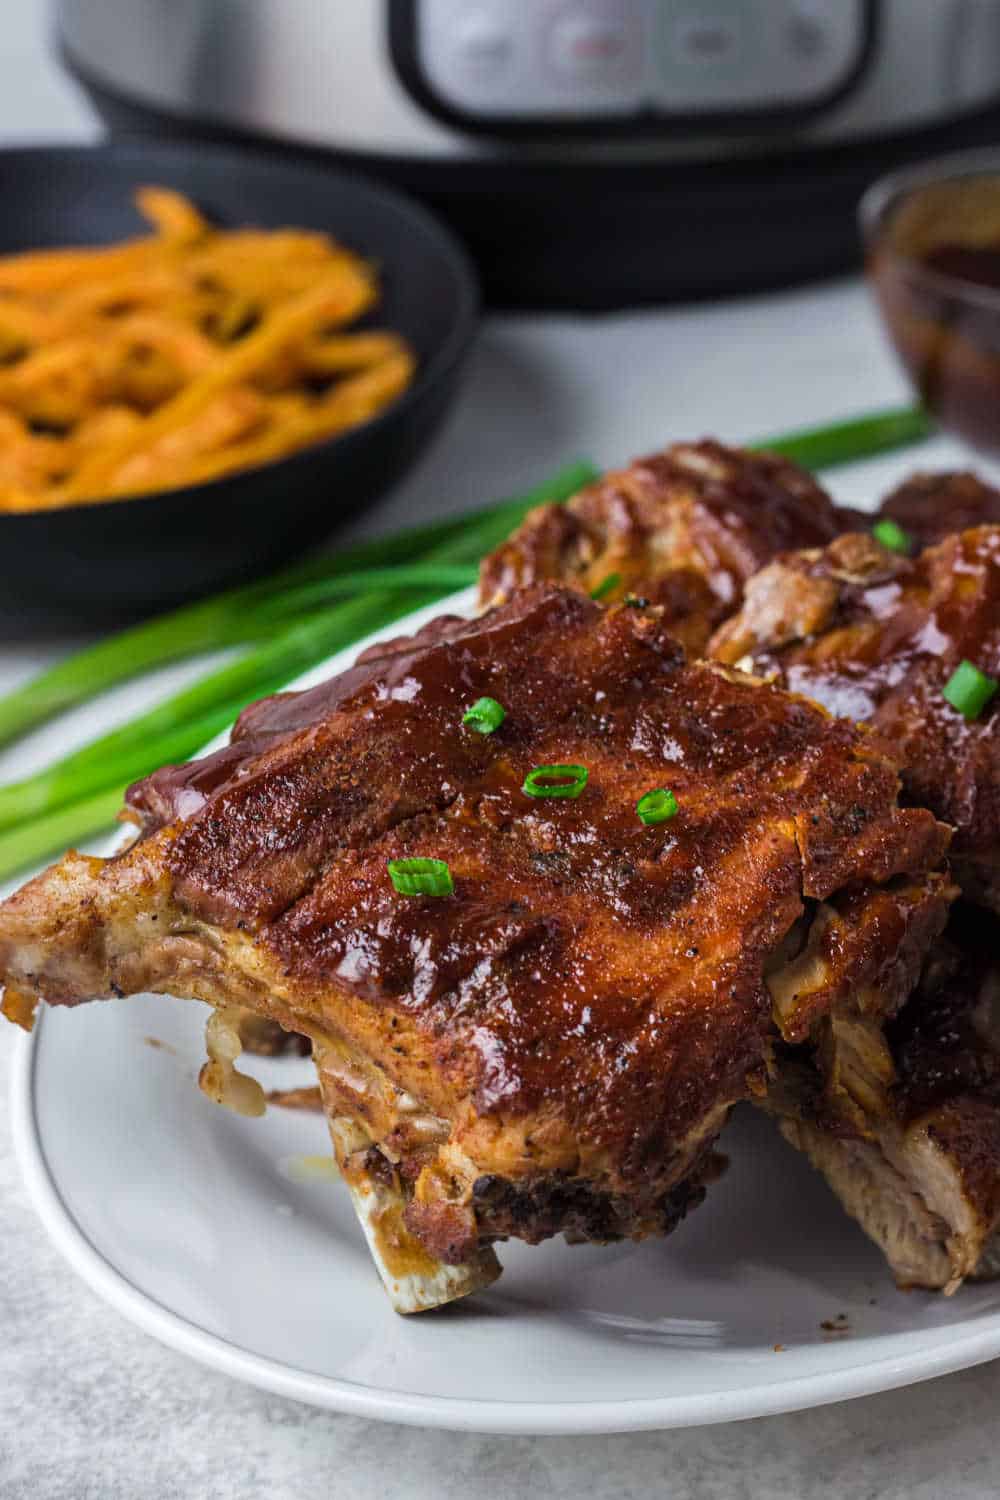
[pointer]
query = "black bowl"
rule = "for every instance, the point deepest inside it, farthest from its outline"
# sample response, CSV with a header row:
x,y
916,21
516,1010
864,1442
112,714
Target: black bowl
x,y
118,559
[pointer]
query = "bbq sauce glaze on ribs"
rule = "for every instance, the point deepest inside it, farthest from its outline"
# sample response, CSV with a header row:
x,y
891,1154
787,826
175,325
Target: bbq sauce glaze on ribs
x,y
684,528
554,1046
875,637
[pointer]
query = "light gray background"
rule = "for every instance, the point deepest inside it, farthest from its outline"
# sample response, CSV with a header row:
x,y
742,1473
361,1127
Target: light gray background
x,y
91,1409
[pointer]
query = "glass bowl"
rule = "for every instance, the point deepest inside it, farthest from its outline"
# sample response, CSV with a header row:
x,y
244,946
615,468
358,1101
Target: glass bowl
x,y
932,242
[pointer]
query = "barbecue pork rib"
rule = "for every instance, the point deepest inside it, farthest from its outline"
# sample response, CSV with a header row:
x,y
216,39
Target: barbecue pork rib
x,y
553,1047
904,1120
930,507
684,529
875,637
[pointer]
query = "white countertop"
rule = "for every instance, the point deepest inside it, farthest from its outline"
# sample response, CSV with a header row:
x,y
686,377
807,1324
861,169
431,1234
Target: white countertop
x,y
91,1409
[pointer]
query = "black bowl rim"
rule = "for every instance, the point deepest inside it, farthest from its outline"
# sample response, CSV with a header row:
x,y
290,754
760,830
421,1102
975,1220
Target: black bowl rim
x,y
433,370
885,194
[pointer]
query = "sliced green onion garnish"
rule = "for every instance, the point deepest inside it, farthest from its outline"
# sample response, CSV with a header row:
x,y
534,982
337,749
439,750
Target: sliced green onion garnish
x,y
656,806
606,586
555,781
485,715
421,877
892,536
969,690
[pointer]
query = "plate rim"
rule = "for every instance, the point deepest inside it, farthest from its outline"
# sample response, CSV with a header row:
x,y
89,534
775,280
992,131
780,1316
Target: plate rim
x,y
512,1418
467,1414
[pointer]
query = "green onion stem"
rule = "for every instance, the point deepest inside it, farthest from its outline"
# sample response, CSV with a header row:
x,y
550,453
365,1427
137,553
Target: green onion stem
x,y
606,586
116,759
138,743
555,781
892,536
421,877
484,716
442,576
849,442
31,842
969,689
657,806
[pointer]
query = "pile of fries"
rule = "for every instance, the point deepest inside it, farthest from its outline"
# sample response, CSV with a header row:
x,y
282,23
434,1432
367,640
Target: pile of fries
x,y
176,358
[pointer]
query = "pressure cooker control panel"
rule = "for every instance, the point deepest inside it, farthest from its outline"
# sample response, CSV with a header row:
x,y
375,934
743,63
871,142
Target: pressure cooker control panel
x,y
496,64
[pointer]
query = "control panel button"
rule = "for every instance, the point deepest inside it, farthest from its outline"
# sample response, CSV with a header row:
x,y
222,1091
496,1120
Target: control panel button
x,y
807,29
533,59
709,40
729,56
483,44
806,36
585,46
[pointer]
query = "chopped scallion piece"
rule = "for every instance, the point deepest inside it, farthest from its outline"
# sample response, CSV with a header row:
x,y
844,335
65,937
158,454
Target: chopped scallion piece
x,y
421,877
555,781
606,586
656,806
969,690
892,536
485,715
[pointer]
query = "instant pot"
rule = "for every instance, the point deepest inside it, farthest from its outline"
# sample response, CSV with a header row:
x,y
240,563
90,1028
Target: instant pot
x,y
591,153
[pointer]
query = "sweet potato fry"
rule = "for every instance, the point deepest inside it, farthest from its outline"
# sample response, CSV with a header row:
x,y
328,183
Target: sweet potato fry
x,y
172,215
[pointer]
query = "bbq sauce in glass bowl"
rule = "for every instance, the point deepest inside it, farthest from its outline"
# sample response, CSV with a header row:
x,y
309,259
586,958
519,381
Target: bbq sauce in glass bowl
x,y
934,262
979,264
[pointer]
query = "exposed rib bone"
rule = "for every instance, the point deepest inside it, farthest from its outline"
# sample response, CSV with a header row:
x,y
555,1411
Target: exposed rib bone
x,y
414,1280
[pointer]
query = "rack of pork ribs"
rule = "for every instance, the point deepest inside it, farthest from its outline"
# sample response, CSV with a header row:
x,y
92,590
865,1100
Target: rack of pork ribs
x,y
554,1045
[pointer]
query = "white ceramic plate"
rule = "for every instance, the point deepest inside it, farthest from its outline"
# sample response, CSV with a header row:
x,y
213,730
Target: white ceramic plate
x,y
202,1228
